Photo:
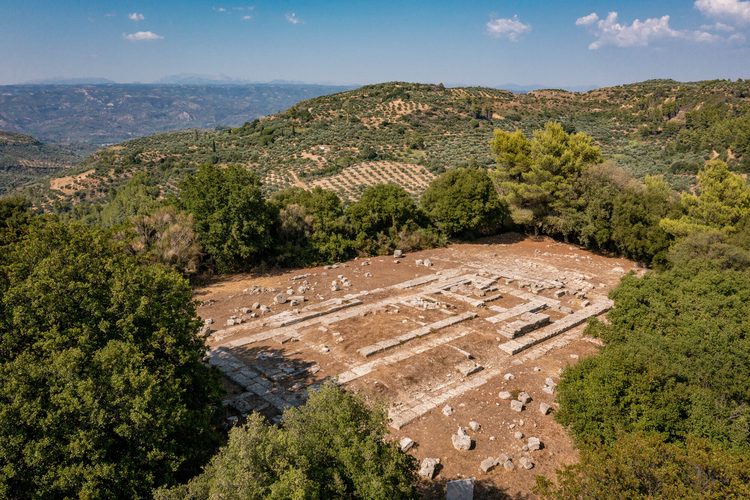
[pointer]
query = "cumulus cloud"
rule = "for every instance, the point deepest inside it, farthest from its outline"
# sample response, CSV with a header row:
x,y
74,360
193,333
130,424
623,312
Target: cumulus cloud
x,y
717,26
219,9
639,34
294,19
136,17
512,29
142,36
735,9
246,18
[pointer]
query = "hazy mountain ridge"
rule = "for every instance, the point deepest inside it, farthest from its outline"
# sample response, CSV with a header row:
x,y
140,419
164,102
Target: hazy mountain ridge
x,y
111,113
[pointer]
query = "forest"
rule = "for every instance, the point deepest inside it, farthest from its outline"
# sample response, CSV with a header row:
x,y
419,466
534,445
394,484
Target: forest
x,y
104,394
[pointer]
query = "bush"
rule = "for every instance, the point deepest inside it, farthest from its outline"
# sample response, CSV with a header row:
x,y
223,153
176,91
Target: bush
x,y
463,202
103,392
676,362
641,466
332,448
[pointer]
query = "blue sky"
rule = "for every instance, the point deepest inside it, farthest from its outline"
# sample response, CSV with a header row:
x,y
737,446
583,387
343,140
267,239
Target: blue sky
x,y
470,42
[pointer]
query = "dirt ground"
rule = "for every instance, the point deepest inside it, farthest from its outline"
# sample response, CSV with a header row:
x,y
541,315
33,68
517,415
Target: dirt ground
x,y
320,350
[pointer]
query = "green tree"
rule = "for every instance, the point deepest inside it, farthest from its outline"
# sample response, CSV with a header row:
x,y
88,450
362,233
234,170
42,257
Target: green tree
x,y
311,228
138,196
331,448
643,467
464,202
381,207
103,392
538,178
637,212
676,362
14,217
724,200
232,219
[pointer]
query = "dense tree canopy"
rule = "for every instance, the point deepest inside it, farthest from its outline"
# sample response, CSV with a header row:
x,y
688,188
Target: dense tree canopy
x,y
232,219
538,177
103,393
463,202
642,467
676,362
723,201
331,448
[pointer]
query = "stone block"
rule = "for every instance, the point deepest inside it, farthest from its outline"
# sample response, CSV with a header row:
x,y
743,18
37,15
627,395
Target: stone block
x,y
469,367
549,389
428,263
397,254
488,464
534,444
509,376
474,426
461,489
524,398
280,298
544,408
508,465
447,411
428,467
525,463
406,444
504,395
461,441
551,382
518,435
516,405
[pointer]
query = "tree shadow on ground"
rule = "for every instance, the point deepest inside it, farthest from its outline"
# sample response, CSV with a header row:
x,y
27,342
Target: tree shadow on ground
x,y
483,490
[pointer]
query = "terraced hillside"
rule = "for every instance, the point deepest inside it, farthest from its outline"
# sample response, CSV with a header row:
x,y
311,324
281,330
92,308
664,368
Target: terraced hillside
x,y
24,159
406,133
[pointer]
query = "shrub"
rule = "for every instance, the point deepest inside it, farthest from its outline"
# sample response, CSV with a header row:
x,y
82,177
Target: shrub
x,y
332,448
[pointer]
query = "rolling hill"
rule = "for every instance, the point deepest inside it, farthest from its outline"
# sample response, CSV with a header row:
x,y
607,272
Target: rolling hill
x,y
408,133
24,159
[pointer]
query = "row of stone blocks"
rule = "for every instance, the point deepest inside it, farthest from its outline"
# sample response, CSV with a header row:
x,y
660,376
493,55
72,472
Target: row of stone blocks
x,y
419,332
563,325
527,322
236,371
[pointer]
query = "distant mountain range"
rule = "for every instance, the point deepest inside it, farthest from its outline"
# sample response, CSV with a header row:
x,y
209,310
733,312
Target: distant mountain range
x,y
99,114
69,81
181,79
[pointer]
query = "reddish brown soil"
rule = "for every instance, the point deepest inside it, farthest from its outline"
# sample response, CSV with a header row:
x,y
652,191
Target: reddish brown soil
x,y
426,373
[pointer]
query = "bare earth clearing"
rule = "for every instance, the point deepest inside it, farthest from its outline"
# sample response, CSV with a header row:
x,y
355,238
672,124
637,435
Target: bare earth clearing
x,y
422,338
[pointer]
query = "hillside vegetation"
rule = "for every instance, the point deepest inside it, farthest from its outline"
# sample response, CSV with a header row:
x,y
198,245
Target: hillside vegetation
x,y
409,133
24,159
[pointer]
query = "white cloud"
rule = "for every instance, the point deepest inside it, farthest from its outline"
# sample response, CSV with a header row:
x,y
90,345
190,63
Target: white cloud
x,y
246,18
136,17
734,9
512,29
220,9
294,19
109,15
717,27
587,20
737,39
142,36
639,34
